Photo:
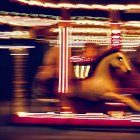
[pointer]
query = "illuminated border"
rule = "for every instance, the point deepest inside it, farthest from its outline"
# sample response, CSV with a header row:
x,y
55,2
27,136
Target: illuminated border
x,y
81,6
63,60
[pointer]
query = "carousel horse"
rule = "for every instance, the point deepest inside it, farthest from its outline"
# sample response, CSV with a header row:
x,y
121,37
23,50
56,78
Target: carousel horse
x,y
100,85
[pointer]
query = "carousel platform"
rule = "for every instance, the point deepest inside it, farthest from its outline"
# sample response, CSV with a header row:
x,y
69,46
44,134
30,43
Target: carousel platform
x,y
116,119
36,115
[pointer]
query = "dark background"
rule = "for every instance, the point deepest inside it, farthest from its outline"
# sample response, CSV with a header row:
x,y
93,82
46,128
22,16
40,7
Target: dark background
x,y
7,67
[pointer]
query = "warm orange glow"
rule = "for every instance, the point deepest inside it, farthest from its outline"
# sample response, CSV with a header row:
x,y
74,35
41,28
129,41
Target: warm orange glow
x,y
117,114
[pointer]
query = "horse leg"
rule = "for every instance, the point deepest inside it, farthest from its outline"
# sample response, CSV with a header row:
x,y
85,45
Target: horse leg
x,y
133,103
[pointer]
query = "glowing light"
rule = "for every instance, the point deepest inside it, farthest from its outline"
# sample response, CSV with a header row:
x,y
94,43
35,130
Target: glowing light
x,y
49,100
91,22
87,71
81,71
63,60
133,6
127,39
116,31
88,38
51,5
27,21
36,115
84,6
15,47
15,34
76,71
85,30
67,58
116,114
32,2
37,21
47,20
118,23
116,36
97,6
19,54
128,50
117,7
64,115
116,104
90,30
81,6
133,23
66,5
22,114
60,63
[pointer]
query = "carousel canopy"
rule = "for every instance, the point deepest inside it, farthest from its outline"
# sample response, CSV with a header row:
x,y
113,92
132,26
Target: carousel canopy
x,y
43,6
129,10
89,1
87,18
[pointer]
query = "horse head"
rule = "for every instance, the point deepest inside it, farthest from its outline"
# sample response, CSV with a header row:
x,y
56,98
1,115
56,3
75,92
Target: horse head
x,y
99,85
121,61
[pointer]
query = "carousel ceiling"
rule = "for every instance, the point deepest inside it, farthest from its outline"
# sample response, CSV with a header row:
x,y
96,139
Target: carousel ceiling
x,y
76,8
36,13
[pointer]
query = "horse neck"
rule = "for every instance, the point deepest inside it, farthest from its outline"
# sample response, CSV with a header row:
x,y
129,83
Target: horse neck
x,y
103,70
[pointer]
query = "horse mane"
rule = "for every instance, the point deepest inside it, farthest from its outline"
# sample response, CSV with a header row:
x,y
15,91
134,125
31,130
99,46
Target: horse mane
x,y
98,59
93,61
106,53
